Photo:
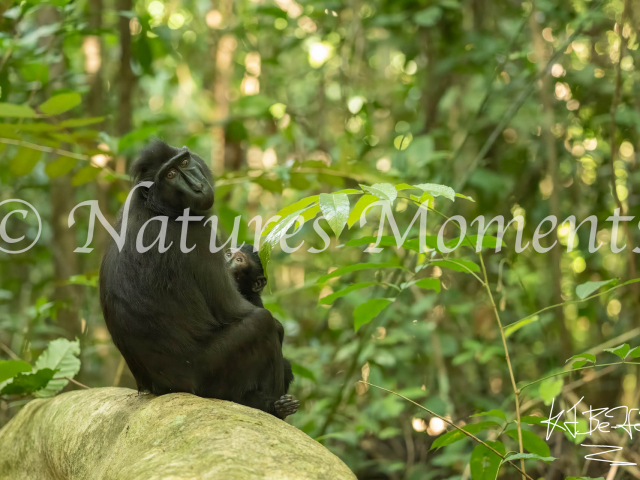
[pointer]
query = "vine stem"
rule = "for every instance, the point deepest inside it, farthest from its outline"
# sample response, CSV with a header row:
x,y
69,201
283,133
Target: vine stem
x,y
516,392
575,370
449,422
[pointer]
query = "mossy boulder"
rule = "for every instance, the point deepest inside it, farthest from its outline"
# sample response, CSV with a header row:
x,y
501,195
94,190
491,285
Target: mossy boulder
x,y
116,434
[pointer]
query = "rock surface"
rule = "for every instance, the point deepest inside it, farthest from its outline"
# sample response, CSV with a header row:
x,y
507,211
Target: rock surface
x,y
116,434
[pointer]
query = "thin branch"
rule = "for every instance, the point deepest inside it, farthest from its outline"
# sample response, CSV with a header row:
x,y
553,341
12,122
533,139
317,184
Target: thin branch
x,y
516,392
572,301
575,370
9,352
449,422
74,382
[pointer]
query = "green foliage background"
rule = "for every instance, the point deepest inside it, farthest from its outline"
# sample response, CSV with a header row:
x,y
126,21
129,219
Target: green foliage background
x,y
531,109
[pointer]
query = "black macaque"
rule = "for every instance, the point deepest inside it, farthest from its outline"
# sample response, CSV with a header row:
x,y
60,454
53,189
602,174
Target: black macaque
x,y
177,318
247,270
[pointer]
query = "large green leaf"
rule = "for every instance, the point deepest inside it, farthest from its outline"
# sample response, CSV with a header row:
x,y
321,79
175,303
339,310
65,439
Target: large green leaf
x,y
85,175
276,234
335,208
24,161
61,355
438,190
384,191
531,442
60,166
16,111
586,289
303,372
329,299
11,368
620,351
429,284
550,389
359,207
459,265
25,383
484,463
367,311
60,103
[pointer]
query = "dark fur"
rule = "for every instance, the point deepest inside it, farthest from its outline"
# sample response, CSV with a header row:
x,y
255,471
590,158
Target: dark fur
x,y
246,276
178,319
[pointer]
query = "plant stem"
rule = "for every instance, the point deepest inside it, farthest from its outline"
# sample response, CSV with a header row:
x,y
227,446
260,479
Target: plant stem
x,y
516,392
449,422
575,370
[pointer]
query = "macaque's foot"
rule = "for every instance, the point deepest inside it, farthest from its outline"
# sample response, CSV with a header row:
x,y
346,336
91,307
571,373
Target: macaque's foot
x,y
286,405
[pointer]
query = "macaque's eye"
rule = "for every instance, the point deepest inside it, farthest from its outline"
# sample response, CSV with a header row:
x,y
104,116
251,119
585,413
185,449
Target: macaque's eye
x,y
172,173
185,163
239,260
228,254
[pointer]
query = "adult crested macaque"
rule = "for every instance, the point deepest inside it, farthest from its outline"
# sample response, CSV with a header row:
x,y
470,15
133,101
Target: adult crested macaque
x,y
177,318
247,270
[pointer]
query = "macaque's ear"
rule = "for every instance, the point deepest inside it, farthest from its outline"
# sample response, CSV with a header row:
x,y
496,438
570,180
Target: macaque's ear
x,y
259,284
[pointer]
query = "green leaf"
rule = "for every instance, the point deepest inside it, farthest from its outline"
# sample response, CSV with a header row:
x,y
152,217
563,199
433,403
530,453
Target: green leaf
x,y
457,265
85,280
484,464
85,175
16,111
275,235
60,166
550,389
11,368
586,289
269,184
61,355
438,190
335,208
456,435
492,413
582,358
80,122
303,372
514,327
60,103
360,206
429,284
634,352
367,311
329,299
431,241
403,186
23,384
459,195
621,350
531,420
357,267
531,442
384,191
528,456
135,136
428,17
24,161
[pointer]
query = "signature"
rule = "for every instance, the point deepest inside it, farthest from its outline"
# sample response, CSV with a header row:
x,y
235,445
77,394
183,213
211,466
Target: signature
x,y
601,420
